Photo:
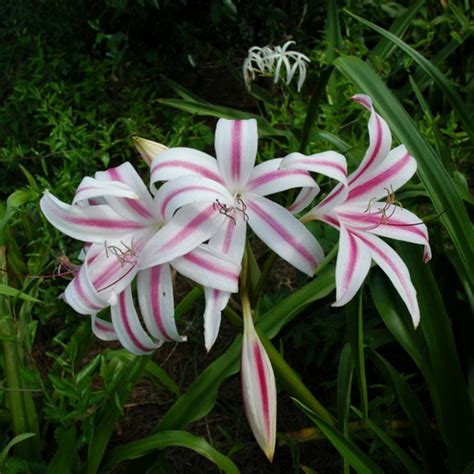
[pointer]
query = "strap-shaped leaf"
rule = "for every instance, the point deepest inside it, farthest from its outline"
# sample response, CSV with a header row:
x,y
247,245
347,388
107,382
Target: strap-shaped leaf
x,y
166,439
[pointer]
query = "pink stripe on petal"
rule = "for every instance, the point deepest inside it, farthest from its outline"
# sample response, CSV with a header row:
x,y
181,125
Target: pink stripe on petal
x,y
328,163
229,233
353,255
331,197
262,384
103,223
155,300
401,277
283,233
375,152
275,175
172,195
80,291
104,327
236,151
189,228
201,170
133,203
127,327
103,277
378,219
206,265
379,179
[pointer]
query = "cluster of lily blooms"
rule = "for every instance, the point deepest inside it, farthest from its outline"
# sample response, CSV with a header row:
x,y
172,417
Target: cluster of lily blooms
x,y
195,220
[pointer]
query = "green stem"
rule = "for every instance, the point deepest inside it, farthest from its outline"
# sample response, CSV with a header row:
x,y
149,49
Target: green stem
x,y
291,382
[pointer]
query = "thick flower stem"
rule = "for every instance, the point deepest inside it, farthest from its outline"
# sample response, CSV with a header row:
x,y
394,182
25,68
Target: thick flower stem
x,y
291,382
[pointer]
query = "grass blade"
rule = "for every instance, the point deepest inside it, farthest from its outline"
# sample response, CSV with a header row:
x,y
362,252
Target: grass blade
x,y
333,32
166,439
401,454
211,110
385,47
355,329
430,169
344,388
313,106
354,456
456,418
429,447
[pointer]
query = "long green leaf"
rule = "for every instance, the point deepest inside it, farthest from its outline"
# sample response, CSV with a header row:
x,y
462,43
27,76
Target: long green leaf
x,y
456,418
17,439
344,388
355,329
333,32
211,110
166,439
425,436
64,461
421,78
313,107
401,454
385,47
13,292
431,171
353,454
399,322
432,71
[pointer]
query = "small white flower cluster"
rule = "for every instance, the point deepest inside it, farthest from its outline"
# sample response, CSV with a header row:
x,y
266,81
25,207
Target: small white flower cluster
x,y
268,61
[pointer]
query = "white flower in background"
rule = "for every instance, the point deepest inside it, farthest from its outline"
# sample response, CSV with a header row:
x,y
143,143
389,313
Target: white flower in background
x,y
268,61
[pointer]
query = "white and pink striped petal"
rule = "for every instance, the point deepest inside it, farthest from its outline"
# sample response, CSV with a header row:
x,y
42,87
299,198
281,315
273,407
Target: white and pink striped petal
x,y
380,141
210,268
381,181
352,266
386,220
327,163
155,297
179,161
304,199
81,295
284,234
236,149
103,330
140,210
396,270
268,178
230,240
216,301
89,224
128,327
91,188
190,226
189,190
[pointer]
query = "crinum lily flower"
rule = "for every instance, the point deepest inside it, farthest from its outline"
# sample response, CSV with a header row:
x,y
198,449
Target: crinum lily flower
x,y
268,61
234,188
115,214
366,210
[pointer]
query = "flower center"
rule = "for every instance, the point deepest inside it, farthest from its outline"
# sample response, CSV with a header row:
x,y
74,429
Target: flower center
x,y
124,253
